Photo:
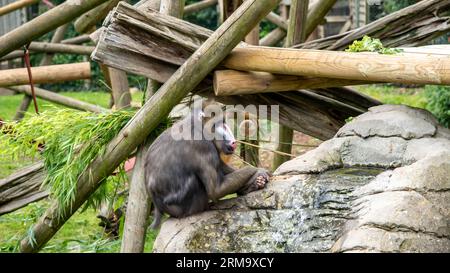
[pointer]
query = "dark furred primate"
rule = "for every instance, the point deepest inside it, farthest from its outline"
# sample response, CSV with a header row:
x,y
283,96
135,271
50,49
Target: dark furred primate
x,y
182,176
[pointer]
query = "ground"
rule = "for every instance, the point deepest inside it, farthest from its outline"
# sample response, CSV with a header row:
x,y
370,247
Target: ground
x,y
82,233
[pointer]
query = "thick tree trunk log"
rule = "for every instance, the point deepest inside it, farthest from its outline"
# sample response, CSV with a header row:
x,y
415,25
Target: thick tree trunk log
x,y
183,81
410,68
59,99
46,74
233,82
22,188
86,22
44,23
18,4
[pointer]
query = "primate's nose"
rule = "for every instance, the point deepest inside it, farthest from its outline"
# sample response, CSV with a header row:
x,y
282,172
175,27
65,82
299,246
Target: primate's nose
x,y
234,145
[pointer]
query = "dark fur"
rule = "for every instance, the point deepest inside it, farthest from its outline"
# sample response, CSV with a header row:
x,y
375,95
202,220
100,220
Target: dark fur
x,y
182,175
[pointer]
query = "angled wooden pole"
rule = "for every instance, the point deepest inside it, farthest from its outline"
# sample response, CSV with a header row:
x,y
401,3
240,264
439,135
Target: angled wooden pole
x,y
183,81
86,22
195,7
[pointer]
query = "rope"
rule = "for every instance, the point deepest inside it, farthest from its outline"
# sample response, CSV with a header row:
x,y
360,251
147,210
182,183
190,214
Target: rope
x,y
26,58
267,149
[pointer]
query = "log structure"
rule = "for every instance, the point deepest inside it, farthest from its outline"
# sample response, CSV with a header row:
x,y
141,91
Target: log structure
x,y
151,44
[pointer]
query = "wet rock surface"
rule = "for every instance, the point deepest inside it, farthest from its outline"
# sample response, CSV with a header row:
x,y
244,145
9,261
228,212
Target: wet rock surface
x,y
382,184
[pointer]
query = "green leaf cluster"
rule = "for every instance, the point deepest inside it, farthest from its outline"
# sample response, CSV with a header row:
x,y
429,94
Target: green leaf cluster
x,y
67,140
368,44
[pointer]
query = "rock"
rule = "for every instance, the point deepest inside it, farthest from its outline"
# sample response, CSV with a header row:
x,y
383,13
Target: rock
x,y
382,184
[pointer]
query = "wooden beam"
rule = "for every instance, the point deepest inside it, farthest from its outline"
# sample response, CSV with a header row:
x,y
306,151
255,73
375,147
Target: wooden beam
x,y
410,68
183,81
46,74
277,20
196,7
44,23
15,6
59,99
84,38
86,22
233,82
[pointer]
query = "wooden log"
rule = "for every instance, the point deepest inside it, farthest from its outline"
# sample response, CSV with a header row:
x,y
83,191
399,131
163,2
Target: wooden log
x,y
148,4
56,38
172,7
59,99
23,107
316,13
183,81
15,6
120,88
159,33
274,37
233,82
277,20
410,68
196,7
21,188
84,38
44,23
51,48
46,74
86,22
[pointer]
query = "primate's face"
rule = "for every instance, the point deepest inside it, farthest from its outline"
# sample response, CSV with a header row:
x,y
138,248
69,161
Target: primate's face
x,y
225,138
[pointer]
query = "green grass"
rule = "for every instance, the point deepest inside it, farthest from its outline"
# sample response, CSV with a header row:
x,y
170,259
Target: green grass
x,y
414,97
9,104
80,234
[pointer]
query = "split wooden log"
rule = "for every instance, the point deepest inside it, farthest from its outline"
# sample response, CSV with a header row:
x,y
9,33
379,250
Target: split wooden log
x,y
183,81
18,4
86,22
233,82
59,99
196,7
414,25
151,44
46,74
410,68
22,188
44,23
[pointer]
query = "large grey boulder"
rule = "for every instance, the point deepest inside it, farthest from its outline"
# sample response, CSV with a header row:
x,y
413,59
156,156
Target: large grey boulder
x,y
382,184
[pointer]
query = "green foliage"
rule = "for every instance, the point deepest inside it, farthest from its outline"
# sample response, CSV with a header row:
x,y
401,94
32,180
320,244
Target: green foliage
x,y
68,140
371,45
393,95
439,102
207,18
395,5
